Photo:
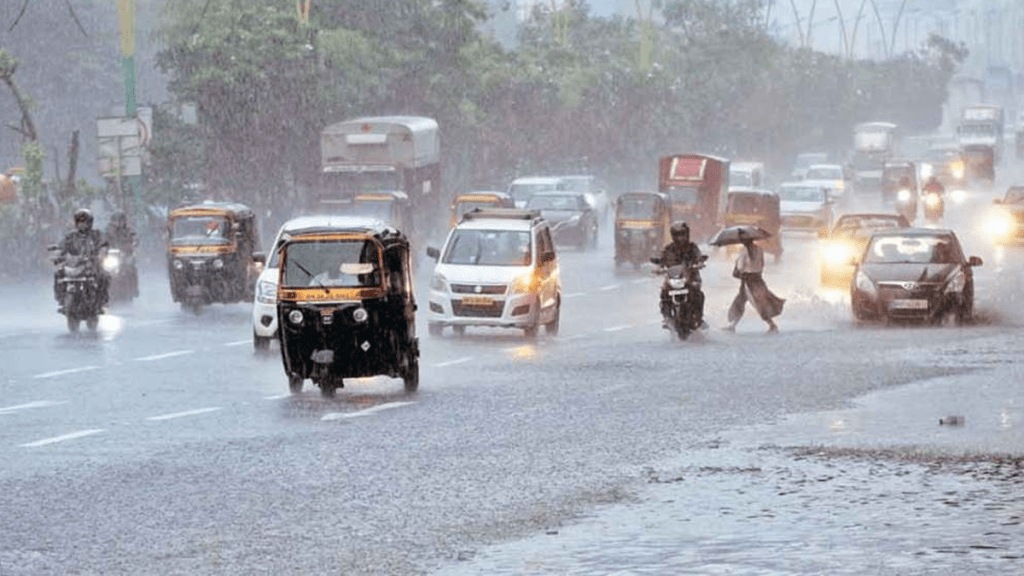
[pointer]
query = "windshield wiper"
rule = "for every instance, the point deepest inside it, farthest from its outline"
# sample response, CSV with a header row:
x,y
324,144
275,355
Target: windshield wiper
x,y
312,276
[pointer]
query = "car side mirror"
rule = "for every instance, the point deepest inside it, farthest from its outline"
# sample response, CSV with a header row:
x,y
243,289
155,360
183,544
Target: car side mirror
x,y
260,257
974,261
433,252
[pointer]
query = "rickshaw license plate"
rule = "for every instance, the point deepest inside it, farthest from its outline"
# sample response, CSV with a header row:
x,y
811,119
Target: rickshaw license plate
x,y
477,301
907,304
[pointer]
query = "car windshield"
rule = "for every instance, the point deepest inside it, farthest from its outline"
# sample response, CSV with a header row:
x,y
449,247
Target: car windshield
x,y
522,192
824,174
552,202
577,184
637,207
200,230
488,248
911,249
340,263
801,194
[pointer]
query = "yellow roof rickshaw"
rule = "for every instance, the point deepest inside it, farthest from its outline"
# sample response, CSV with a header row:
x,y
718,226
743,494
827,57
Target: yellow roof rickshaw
x,y
211,254
483,199
755,207
642,222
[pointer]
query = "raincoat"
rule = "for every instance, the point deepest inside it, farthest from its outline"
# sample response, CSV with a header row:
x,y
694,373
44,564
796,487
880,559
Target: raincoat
x,y
748,268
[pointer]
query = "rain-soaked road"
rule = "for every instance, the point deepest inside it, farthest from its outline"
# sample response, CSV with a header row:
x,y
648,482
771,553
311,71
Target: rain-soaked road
x,y
164,445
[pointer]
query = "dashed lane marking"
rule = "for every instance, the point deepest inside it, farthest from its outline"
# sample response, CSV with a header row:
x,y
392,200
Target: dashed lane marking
x,y
618,328
238,343
608,288
65,372
62,438
453,362
574,295
277,397
184,414
379,408
29,405
164,355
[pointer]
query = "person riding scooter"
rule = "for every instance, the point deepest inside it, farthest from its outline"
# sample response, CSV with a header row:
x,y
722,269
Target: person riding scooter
x,y
121,236
934,199
680,251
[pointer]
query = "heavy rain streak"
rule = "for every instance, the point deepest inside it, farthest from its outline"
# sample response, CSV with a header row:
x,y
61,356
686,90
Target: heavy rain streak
x,y
511,287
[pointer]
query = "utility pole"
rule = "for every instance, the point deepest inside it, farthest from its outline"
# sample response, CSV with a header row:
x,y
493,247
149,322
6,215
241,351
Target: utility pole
x,y
126,20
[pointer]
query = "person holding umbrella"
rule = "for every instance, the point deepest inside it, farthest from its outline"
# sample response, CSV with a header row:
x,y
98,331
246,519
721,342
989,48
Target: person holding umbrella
x,y
748,269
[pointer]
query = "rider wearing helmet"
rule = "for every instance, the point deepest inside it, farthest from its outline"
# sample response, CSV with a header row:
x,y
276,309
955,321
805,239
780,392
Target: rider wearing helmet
x,y
933,185
85,241
680,251
120,235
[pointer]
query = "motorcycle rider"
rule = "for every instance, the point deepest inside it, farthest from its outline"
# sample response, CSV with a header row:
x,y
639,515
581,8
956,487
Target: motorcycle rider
x,y
933,185
681,251
120,235
87,242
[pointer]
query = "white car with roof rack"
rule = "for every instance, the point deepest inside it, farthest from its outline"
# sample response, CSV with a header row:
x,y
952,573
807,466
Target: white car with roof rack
x,y
498,268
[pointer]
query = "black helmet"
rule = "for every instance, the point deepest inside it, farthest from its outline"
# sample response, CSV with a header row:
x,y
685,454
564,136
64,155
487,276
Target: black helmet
x,y
83,215
680,230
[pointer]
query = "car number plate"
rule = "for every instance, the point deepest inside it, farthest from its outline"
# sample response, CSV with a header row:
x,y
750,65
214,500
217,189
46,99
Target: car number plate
x,y
477,301
679,292
906,304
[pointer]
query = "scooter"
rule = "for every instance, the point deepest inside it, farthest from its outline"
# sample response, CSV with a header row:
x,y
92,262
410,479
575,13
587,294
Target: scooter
x,y
934,206
683,288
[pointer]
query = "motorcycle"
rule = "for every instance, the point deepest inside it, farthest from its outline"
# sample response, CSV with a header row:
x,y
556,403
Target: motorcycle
x,y
683,286
124,279
906,203
78,290
934,206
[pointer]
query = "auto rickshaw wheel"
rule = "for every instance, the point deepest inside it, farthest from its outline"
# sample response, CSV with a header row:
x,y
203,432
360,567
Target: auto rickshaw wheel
x,y
92,322
328,386
73,324
295,383
551,328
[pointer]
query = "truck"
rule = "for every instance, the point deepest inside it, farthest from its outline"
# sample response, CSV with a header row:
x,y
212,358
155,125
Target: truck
x,y
873,144
696,186
382,154
982,125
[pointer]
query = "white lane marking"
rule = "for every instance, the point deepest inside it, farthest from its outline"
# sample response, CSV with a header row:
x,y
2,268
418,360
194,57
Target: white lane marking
x,y
277,397
238,343
183,414
55,439
65,372
453,362
574,295
36,404
640,280
608,288
618,328
345,415
162,356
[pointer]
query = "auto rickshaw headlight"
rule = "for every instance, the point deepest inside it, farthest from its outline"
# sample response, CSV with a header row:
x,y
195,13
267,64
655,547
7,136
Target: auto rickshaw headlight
x,y
217,263
295,317
178,264
360,315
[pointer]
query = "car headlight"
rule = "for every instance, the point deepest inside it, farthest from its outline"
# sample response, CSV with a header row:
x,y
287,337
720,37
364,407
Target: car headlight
x,y
957,170
266,292
111,264
1002,224
863,283
439,283
956,283
295,317
903,195
525,284
217,263
836,254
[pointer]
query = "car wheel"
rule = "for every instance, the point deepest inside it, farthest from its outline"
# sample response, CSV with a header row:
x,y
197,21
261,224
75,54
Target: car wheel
x,y
459,331
328,386
435,329
260,343
91,323
551,328
965,312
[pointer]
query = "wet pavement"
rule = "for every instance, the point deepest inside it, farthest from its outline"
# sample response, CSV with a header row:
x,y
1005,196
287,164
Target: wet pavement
x,y
927,478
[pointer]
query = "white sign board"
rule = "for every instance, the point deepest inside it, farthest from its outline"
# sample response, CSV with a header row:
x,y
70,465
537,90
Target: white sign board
x,y
120,148
116,127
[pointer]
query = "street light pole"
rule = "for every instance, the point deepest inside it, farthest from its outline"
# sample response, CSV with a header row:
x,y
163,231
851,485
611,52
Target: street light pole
x,y
126,19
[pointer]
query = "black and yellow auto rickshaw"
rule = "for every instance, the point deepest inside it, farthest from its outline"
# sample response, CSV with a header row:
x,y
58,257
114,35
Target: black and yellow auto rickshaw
x,y
211,254
390,207
482,199
345,306
642,222
755,207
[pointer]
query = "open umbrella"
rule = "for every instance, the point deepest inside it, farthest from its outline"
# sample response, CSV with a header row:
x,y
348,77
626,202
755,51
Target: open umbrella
x,y
738,234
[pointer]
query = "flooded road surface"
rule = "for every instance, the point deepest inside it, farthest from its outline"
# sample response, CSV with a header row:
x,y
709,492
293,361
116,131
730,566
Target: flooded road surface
x,y
881,488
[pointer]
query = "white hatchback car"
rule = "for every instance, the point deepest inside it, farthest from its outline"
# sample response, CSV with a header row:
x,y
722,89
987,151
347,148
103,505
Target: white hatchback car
x,y
264,309
498,268
805,206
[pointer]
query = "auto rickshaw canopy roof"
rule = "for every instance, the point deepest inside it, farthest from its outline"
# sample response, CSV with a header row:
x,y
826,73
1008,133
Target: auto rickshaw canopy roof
x,y
235,210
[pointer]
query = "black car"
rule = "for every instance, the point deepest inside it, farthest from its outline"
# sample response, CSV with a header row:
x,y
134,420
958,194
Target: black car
x,y
570,214
914,274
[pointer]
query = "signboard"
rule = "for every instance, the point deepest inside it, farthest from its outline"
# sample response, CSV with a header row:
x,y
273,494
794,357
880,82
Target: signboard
x,y
687,169
119,146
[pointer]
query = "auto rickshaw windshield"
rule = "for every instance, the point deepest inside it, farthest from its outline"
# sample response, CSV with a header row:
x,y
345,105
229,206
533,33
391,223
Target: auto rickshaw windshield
x,y
341,263
637,208
200,230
